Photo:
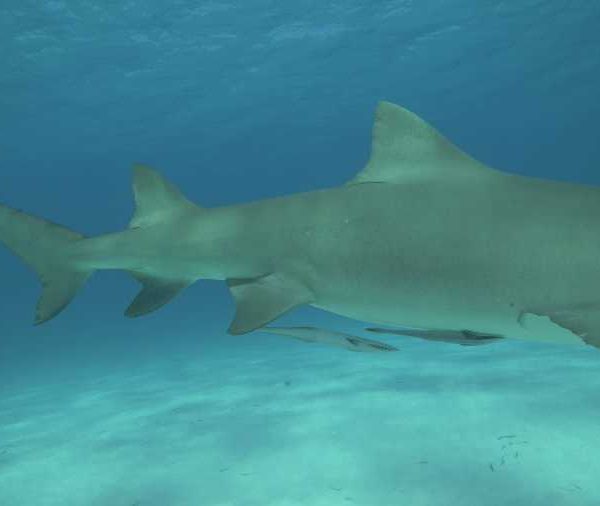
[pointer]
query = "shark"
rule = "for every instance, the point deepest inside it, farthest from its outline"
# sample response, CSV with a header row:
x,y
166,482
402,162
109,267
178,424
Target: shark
x,y
423,237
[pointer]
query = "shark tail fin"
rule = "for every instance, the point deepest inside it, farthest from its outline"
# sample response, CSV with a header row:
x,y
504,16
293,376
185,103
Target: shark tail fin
x,y
46,248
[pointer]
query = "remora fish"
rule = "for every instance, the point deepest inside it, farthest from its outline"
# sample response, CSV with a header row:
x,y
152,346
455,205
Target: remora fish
x,y
461,337
337,339
423,237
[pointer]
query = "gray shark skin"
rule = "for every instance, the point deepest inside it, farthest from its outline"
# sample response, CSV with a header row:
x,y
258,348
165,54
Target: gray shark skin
x,y
423,237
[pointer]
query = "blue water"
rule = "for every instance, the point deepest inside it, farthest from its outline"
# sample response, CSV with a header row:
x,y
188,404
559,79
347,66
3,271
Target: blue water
x,y
236,101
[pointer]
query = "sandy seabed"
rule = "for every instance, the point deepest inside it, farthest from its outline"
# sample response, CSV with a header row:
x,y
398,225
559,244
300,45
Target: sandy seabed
x,y
275,422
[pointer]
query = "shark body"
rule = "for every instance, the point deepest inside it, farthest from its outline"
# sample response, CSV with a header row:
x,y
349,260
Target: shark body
x,y
423,237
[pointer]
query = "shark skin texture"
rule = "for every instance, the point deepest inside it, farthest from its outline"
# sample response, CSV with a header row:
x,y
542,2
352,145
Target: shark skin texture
x,y
424,237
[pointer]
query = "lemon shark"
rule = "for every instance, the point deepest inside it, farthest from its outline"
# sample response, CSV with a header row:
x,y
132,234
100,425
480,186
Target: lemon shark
x,y
424,237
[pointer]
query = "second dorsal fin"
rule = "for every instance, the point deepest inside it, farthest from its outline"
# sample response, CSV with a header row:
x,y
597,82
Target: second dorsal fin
x,y
155,198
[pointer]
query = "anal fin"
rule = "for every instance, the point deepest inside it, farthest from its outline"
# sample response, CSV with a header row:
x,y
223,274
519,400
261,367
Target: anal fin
x,y
155,293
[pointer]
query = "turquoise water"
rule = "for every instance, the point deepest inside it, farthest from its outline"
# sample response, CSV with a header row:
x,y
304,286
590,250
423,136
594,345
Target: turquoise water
x,y
238,101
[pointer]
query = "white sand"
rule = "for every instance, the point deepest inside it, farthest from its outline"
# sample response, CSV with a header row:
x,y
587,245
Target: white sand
x,y
264,421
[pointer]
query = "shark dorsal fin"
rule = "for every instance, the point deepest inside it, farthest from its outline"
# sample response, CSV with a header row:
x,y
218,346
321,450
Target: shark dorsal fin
x,y
406,148
155,198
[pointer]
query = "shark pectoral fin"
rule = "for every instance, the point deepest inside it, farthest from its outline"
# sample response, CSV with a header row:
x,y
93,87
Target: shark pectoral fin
x,y
338,339
584,323
462,337
405,148
154,294
259,301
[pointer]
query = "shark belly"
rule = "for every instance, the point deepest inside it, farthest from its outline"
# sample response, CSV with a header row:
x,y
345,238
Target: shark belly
x,y
480,267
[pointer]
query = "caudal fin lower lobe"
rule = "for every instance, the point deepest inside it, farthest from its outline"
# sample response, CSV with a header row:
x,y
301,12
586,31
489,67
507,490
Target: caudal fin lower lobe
x,y
46,248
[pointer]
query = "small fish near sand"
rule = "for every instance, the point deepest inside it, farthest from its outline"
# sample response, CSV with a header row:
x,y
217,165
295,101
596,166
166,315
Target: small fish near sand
x,y
460,337
423,237
336,339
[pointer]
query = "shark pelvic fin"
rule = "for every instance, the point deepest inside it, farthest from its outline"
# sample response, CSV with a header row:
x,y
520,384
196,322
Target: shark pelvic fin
x,y
406,148
259,301
155,293
155,198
